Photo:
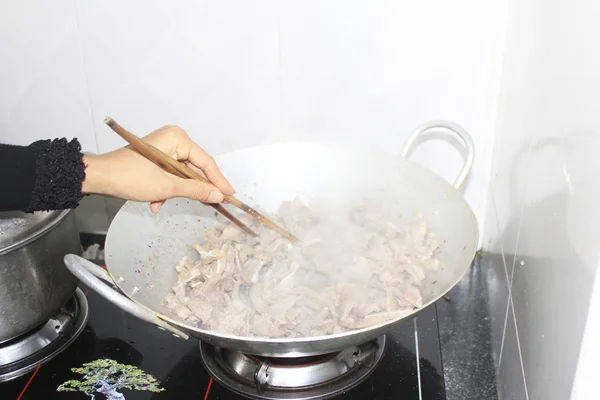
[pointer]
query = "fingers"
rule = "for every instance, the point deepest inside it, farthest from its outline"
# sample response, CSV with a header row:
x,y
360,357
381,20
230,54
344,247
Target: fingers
x,y
201,159
194,168
193,189
156,205
198,170
172,139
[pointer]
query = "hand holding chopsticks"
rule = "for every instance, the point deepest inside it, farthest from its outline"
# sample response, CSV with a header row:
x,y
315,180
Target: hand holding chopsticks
x,y
179,169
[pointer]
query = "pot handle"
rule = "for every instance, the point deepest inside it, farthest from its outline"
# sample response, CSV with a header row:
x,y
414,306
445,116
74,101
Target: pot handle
x,y
91,274
457,131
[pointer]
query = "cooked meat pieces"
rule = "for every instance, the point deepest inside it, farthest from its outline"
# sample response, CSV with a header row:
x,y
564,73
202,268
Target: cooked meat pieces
x,y
348,273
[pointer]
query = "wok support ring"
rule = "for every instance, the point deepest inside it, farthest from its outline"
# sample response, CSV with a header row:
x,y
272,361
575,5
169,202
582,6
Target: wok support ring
x,y
290,378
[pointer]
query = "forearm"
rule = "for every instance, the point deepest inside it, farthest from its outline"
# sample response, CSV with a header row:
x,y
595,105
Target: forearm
x,y
46,175
97,172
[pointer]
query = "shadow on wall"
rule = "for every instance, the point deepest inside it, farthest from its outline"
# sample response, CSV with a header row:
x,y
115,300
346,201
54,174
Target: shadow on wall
x,y
552,273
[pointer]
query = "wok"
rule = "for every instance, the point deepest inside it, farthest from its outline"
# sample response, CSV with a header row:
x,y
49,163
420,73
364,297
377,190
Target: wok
x,y
142,249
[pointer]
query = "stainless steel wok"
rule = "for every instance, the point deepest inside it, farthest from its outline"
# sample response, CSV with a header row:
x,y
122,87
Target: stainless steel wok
x,y
142,249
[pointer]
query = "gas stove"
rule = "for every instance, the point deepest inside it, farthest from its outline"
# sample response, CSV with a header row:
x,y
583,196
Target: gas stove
x,y
24,354
404,364
301,378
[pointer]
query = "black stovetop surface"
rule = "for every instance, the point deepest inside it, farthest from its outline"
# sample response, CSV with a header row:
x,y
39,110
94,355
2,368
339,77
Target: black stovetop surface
x,y
176,364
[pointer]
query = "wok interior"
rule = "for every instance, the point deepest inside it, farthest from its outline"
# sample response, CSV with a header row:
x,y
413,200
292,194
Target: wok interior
x,y
142,249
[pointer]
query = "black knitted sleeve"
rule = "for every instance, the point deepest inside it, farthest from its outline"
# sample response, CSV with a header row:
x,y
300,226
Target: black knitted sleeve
x,y
46,175
17,177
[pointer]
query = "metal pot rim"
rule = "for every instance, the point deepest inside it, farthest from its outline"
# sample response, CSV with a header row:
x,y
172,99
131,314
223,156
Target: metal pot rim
x,y
52,223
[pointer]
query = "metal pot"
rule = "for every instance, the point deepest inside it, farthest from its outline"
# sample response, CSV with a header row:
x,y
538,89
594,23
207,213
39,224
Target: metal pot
x,y
34,283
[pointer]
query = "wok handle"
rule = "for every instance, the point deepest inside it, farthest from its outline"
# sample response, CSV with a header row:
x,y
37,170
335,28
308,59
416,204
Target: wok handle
x,y
91,274
457,131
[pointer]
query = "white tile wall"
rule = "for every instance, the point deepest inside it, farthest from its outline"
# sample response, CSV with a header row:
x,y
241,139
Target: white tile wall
x,y
369,72
237,73
545,187
42,79
210,67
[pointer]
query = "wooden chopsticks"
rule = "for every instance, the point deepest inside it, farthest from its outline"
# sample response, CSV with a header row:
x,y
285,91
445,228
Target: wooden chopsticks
x,y
177,168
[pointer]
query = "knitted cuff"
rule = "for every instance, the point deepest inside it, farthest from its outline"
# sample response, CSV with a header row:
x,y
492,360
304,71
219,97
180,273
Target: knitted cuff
x,y
59,173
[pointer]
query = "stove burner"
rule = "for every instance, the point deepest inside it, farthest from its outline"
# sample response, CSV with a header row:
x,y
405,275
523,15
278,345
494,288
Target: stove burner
x,y
293,362
304,378
23,354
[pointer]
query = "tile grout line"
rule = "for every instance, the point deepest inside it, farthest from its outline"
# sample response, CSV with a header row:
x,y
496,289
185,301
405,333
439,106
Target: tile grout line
x,y
512,274
519,348
522,211
89,95
85,75
280,65
418,358
490,172
495,210
503,335
514,263
510,304
507,300
509,283
493,200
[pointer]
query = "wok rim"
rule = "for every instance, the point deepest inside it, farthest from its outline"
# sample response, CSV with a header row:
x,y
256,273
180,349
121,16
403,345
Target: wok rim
x,y
195,331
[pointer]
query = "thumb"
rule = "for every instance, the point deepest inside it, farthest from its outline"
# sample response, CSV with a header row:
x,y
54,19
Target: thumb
x,y
196,190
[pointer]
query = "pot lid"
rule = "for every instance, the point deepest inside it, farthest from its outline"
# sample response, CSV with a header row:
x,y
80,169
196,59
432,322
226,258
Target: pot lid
x,y
17,227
